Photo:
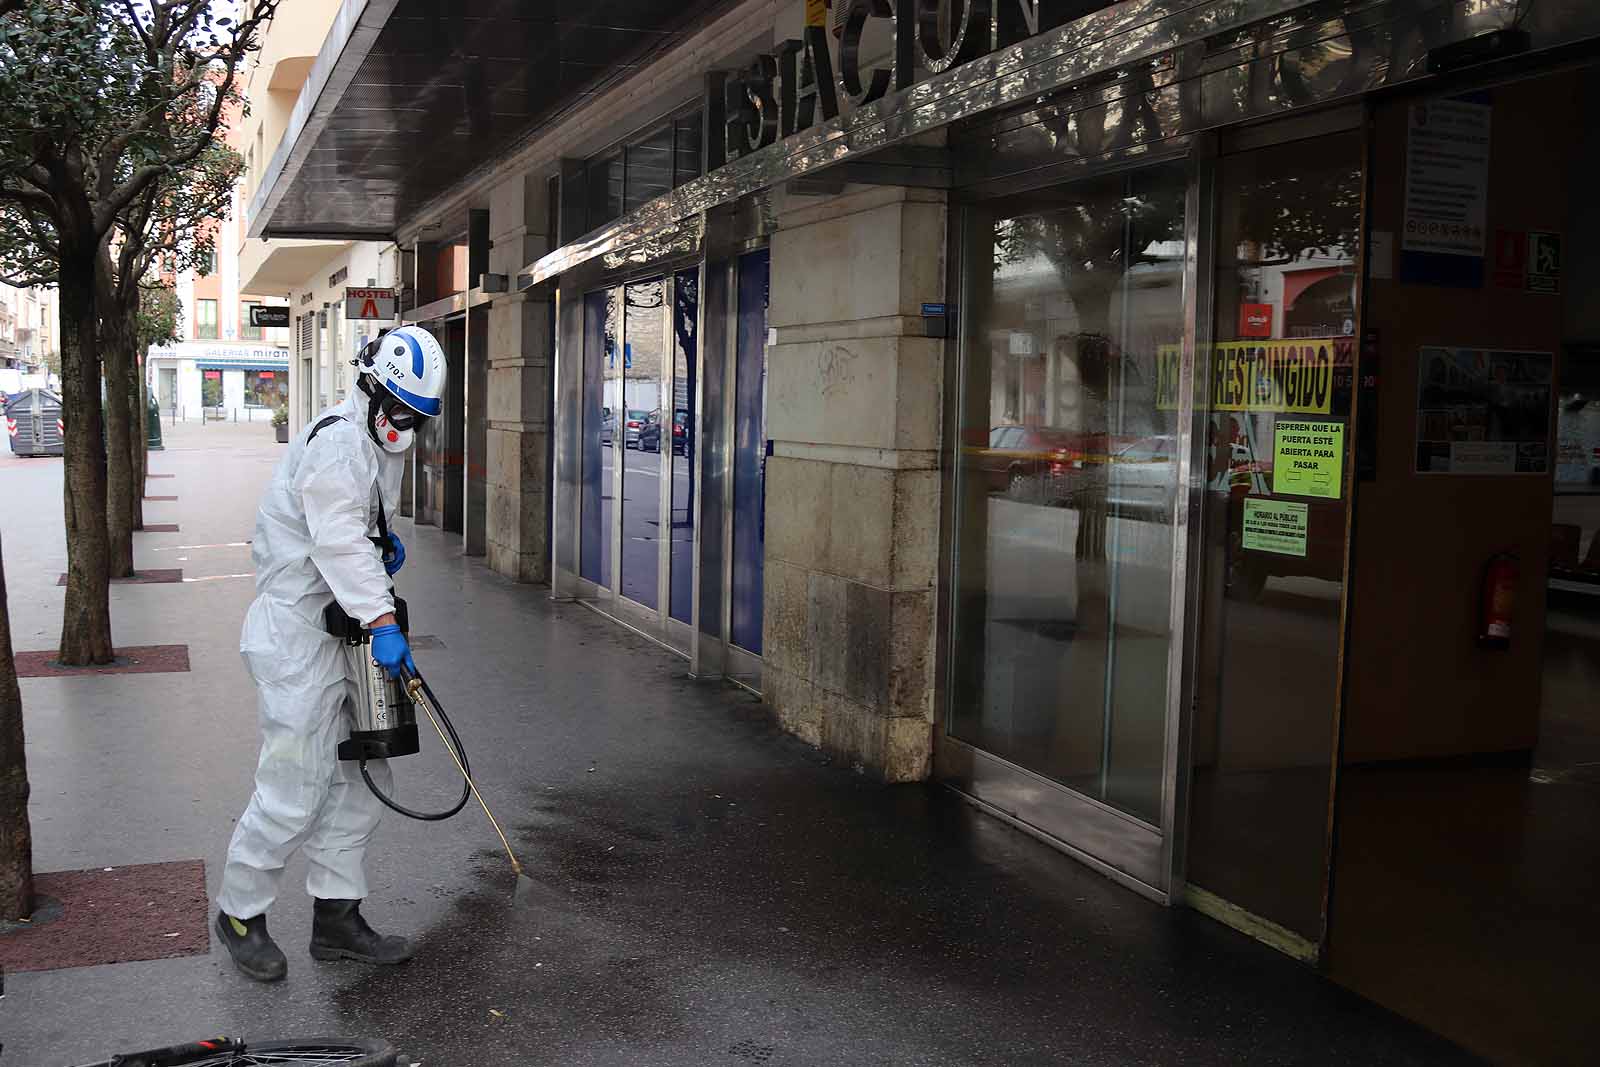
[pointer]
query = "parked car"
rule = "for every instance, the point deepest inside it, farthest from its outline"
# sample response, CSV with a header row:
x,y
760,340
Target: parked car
x,y
608,426
680,432
642,430
1041,465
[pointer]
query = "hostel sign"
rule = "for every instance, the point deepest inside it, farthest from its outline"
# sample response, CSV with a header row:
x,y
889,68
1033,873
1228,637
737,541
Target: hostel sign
x,y
366,303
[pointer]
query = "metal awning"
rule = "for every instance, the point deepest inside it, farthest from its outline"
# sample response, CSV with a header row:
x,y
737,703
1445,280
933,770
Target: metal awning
x,y
409,96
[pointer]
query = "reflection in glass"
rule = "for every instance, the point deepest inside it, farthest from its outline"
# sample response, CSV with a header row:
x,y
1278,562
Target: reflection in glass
x,y
599,430
1067,483
649,173
1266,690
686,301
642,355
749,451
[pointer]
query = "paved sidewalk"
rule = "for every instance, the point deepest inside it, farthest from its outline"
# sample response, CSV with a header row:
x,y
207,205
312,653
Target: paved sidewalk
x,y
711,891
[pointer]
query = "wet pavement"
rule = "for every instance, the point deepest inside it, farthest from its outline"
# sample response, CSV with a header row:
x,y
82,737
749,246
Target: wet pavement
x,y
709,890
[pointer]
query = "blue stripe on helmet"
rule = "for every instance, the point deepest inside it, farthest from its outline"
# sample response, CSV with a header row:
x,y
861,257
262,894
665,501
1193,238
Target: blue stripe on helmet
x,y
422,405
417,364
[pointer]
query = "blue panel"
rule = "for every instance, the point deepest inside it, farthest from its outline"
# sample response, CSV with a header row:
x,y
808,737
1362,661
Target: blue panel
x,y
749,450
681,431
594,542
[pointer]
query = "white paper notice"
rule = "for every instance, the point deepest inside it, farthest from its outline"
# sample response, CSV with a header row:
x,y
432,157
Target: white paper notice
x,y
1447,177
1381,254
1483,457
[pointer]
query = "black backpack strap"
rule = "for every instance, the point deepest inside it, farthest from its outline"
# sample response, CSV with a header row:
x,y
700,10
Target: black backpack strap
x,y
383,520
323,425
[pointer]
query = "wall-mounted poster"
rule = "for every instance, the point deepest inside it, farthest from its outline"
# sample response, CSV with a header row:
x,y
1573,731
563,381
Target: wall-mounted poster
x,y
1483,411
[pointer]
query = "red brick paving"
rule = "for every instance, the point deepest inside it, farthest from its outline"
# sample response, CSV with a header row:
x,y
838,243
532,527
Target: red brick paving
x,y
150,911
134,659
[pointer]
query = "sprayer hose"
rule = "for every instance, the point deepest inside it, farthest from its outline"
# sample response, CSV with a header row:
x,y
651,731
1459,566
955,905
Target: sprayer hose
x,y
461,754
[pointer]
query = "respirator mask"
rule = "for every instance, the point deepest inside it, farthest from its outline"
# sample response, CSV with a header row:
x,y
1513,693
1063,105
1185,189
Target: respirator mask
x,y
394,425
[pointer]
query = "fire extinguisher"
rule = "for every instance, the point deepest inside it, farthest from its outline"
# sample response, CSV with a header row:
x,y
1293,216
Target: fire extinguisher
x,y
1499,600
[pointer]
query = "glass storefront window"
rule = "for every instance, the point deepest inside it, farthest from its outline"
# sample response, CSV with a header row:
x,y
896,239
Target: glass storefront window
x,y
681,429
686,149
1276,384
604,180
265,388
650,163
643,340
1067,482
601,400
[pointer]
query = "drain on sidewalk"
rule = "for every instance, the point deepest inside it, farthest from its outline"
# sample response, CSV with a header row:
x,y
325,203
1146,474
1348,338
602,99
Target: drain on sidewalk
x,y
426,641
149,911
148,576
134,659
160,475
161,498
159,527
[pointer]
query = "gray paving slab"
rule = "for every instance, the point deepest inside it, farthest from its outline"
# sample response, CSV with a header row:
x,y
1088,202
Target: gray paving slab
x,y
709,890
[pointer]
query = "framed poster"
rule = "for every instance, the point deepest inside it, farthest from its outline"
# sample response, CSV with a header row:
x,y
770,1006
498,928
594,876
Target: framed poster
x,y
1483,411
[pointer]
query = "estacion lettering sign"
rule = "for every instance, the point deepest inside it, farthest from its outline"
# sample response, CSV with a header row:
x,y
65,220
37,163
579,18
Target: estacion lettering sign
x,y
784,92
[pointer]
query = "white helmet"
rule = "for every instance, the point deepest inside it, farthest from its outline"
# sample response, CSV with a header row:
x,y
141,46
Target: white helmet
x,y
410,364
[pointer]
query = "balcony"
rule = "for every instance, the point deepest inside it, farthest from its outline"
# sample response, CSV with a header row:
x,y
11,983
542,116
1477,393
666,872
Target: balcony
x,y
272,268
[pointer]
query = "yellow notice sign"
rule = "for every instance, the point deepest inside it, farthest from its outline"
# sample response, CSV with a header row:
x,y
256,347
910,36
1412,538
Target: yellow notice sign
x,y
816,12
1275,526
1295,376
1308,458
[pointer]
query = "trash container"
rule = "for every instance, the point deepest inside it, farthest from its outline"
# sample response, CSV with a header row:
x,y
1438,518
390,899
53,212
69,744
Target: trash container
x,y
33,423
152,424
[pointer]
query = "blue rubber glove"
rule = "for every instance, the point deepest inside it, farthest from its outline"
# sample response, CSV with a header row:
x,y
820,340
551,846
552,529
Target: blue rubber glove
x,y
390,649
395,558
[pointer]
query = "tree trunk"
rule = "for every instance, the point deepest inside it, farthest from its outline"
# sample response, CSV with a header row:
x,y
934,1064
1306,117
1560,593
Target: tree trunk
x,y
118,340
16,840
86,614
139,429
136,433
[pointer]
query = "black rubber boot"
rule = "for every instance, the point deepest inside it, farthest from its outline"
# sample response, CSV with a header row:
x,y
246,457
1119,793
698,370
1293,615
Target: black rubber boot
x,y
338,932
252,948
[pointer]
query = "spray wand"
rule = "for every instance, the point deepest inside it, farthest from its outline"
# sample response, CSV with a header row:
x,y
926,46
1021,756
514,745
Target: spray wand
x,y
422,696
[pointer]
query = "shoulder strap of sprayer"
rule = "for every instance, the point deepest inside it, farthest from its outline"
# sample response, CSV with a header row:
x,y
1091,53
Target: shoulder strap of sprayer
x,y
383,520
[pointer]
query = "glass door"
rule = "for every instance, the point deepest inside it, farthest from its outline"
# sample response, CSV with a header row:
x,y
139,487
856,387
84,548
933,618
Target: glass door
x,y
641,417
636,448
749,458
1066,487
1277,387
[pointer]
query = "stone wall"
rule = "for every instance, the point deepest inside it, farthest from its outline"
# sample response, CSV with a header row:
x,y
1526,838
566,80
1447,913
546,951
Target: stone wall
x,y
519,388
854,403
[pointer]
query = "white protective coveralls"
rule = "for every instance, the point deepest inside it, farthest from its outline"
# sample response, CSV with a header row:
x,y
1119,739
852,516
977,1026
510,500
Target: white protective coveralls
x,y
311,547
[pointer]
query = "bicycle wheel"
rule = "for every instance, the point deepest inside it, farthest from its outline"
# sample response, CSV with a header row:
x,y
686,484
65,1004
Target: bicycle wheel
x,y
304,1053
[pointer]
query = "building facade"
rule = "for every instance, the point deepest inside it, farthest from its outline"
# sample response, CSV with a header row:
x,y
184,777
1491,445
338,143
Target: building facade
x,y
225,363
1169,425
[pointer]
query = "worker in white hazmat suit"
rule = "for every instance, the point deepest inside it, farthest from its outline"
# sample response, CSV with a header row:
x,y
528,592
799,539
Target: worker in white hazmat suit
x,y
314,545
